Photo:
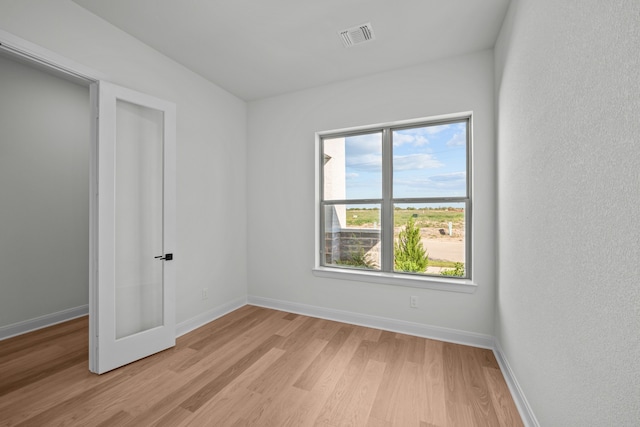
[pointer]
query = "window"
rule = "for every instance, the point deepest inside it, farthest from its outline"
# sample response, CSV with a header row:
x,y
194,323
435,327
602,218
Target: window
x,y
395,200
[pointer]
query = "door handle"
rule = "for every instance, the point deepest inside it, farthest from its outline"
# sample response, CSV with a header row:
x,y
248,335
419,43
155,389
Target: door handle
x,y
167,257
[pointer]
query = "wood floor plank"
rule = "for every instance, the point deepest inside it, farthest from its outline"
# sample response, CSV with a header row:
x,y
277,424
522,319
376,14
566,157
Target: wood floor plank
x,y
26,359
431,385
294,323
406,401
307,412
334,404
300,353
23,403
238,346
218,339
357,410
198,375
116,419
291,316
390,380
207,392
486,357
292,401
503,403
256,366
26,342
376,422
456,397
224,333
27,367
217,324
281,395
145,383
173,417
273,409
230,405
477,388
415,350
180,390
74,405
96,403
301,335
47,393
385,342
310,376
456,389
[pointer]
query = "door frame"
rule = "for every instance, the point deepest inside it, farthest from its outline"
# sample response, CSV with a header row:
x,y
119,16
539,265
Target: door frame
x,y
44,59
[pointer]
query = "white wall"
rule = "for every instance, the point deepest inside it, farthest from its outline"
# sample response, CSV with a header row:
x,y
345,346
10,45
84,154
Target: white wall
x,y
281,188
44,194
211,142
568,307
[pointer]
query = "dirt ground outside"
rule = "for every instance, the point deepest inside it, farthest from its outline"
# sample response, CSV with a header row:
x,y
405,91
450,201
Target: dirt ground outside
x,y
442,247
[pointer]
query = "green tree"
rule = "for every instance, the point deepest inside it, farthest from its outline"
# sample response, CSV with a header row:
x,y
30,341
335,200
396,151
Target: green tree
x,y
408,253
457,270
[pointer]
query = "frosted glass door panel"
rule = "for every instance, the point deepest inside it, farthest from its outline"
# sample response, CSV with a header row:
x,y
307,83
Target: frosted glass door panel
x,y
138,219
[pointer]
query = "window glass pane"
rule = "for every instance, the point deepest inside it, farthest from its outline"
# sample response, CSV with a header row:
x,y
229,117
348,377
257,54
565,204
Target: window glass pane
x,y
353,167
352,236
430,161
429,238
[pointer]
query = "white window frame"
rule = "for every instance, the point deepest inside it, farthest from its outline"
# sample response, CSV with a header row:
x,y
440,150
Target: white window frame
x,y
446,283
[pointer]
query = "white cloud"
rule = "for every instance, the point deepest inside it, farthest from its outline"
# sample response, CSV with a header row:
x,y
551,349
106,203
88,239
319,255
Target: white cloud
x,y
458,139
448,177
364,144
365,162
450,184
415,161
352,175
413,139
432,130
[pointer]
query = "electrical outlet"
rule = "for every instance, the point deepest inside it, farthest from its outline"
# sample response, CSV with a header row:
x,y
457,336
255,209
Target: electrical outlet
x,y
413,302
205,293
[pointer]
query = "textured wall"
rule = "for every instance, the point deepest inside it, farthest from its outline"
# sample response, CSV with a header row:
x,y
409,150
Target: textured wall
x,y
568,306
281,188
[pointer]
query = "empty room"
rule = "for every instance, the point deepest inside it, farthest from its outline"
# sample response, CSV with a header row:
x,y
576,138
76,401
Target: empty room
x,y
331,213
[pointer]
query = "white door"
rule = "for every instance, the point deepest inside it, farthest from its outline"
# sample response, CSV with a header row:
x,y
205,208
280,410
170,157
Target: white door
x,y
133,228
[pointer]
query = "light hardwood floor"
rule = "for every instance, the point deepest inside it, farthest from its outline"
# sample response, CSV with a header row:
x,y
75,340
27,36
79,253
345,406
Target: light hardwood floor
x,y
256,367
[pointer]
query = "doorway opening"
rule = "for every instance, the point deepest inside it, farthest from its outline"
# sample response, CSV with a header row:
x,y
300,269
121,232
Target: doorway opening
x,y
129,239
45,139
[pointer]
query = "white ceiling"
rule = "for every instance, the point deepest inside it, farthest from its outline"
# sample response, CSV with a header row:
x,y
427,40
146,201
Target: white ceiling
x,y
260,48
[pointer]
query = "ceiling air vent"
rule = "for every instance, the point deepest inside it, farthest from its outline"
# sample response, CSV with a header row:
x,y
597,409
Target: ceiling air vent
x,y
357,35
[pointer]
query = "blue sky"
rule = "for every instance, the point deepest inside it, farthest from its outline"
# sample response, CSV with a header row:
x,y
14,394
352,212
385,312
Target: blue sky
x,y
427,162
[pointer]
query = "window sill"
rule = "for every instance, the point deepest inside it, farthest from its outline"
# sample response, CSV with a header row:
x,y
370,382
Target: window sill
x,y
414,281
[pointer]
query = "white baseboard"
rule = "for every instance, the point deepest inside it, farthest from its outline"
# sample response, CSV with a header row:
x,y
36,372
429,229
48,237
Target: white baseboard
x,y
62,316
400,326
208,316
42,322
528,418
